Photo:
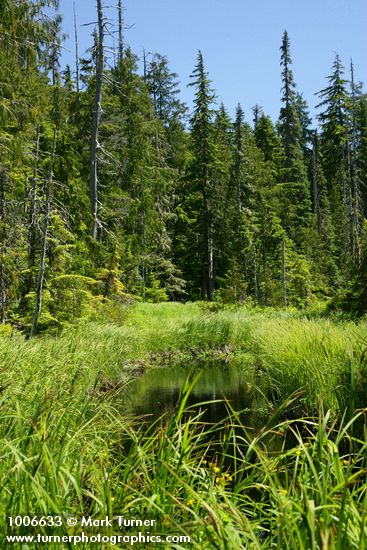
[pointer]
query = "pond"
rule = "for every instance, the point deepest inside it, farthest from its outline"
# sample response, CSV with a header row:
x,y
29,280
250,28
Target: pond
x,y
217,388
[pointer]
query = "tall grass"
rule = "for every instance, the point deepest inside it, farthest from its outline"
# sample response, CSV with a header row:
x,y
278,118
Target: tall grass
x,y
66,448
236,495
326,359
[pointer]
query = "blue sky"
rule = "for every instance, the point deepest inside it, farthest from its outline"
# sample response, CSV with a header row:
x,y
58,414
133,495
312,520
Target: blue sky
x,y
240,42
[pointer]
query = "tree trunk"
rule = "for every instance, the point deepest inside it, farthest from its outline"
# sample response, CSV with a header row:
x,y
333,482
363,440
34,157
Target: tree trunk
x,y
121,32
355,192
315,187
256,283
145,69
32,231
25,210
42,265
284,272
3,285
77,72
210,265
93,189
208,246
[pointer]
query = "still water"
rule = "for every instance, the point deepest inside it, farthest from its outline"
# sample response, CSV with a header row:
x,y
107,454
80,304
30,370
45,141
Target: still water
x,y
158,392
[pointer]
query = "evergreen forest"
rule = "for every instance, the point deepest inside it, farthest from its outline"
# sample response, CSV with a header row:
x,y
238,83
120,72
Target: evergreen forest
x,y
183,299
112,189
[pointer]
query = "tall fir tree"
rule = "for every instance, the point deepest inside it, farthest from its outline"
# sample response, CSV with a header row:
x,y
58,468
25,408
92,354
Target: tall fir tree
x,y
202,186
293,182
334,148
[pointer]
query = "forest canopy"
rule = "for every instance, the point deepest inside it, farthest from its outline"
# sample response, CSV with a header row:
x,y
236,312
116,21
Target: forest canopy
x,y
111,189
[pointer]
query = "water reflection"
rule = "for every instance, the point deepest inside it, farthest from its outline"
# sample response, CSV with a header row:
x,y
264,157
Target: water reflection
x,y
159,391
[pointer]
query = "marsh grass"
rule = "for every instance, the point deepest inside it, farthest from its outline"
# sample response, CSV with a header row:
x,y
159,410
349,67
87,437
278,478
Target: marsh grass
x,y
312,495
326,358
66,448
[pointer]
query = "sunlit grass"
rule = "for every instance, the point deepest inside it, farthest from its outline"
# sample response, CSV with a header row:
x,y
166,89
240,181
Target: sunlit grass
x,y
65,447
95,462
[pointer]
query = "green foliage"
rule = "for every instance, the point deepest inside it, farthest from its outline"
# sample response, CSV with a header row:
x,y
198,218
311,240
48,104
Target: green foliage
x,y
187,210
293,186
73,298
47,320
200,190
353,299
60,437
154,293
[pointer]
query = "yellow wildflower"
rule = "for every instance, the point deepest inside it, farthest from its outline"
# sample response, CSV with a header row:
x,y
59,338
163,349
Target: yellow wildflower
x,y
166,520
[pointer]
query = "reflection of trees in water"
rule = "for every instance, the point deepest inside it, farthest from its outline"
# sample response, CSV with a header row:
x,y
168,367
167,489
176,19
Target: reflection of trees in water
x,y
157,401
158,394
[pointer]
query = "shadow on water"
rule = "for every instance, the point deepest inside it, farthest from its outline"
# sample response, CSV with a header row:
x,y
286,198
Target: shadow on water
x,y
158,392
218,390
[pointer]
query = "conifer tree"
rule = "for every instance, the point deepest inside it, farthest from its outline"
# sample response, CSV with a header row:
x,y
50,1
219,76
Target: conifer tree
x,y
334,146
242,221
139,181
356,206
203,191
222,176
209,209
44,240
293,183
361,153
321,242
163,89
97,107
268,141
